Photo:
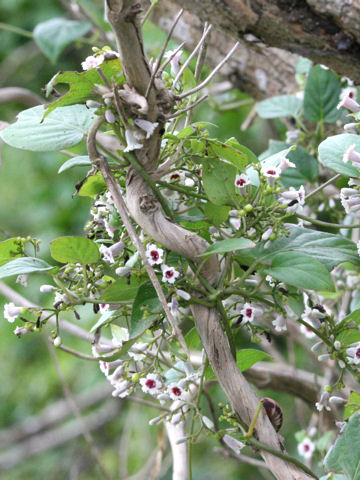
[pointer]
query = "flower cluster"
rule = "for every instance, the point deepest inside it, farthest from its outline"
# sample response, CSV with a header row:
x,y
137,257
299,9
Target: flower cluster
x,y
154,255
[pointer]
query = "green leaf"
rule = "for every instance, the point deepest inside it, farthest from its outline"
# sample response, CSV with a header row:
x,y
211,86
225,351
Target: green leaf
x,y
54,35
344,455
193,129
303,65
60,130
301,271
9,249
232,151
188,78
104,320
145,297
280,106
93,186
24,265
216,213
81,85
323,442
121,334
327,248
352,405
306,169
228,245
74,250
82,160
120,291
322,96
332,150
247,357
219,181
348,336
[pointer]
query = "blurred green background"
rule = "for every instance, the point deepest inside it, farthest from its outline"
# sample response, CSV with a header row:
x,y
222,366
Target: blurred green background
x,y
37,201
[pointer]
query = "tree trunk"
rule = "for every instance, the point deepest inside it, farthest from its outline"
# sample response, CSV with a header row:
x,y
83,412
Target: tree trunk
x,y
326,31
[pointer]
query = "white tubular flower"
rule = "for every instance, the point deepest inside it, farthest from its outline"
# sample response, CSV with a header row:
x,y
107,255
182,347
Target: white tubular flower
x,y
292,136
334,400
285,164
352,155
189,182
176,391
250,312
353,353
11,312
280,324
293,198
182,294
151,384
46,288
266,235
109,116
92,62
154,254
235,222
271,174
358,247
20,331
109,253
174,309
146,126
131,142
350,200
208,423
175,61
306,448
169,274
323,402
122,271
349,103
233,444
242,181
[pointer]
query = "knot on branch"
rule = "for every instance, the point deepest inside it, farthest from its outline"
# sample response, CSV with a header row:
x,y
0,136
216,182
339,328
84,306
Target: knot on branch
x,y
132,11
148,204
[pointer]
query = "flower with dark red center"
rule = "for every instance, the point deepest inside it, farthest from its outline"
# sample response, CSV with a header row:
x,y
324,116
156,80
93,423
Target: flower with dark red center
x,y
242,181
169,274
249,312
151,384
154,254
306,448
271,174
176,391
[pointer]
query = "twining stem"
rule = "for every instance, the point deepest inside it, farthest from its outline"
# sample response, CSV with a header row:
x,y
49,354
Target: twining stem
x,y
254,420
13,29
321,187
149,11
315,221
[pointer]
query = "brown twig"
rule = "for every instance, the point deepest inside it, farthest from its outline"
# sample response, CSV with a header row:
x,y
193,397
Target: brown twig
x,y
158,61
210,76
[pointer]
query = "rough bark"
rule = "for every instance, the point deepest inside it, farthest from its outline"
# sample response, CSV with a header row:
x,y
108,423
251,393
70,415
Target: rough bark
x,y
260,72
325,31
